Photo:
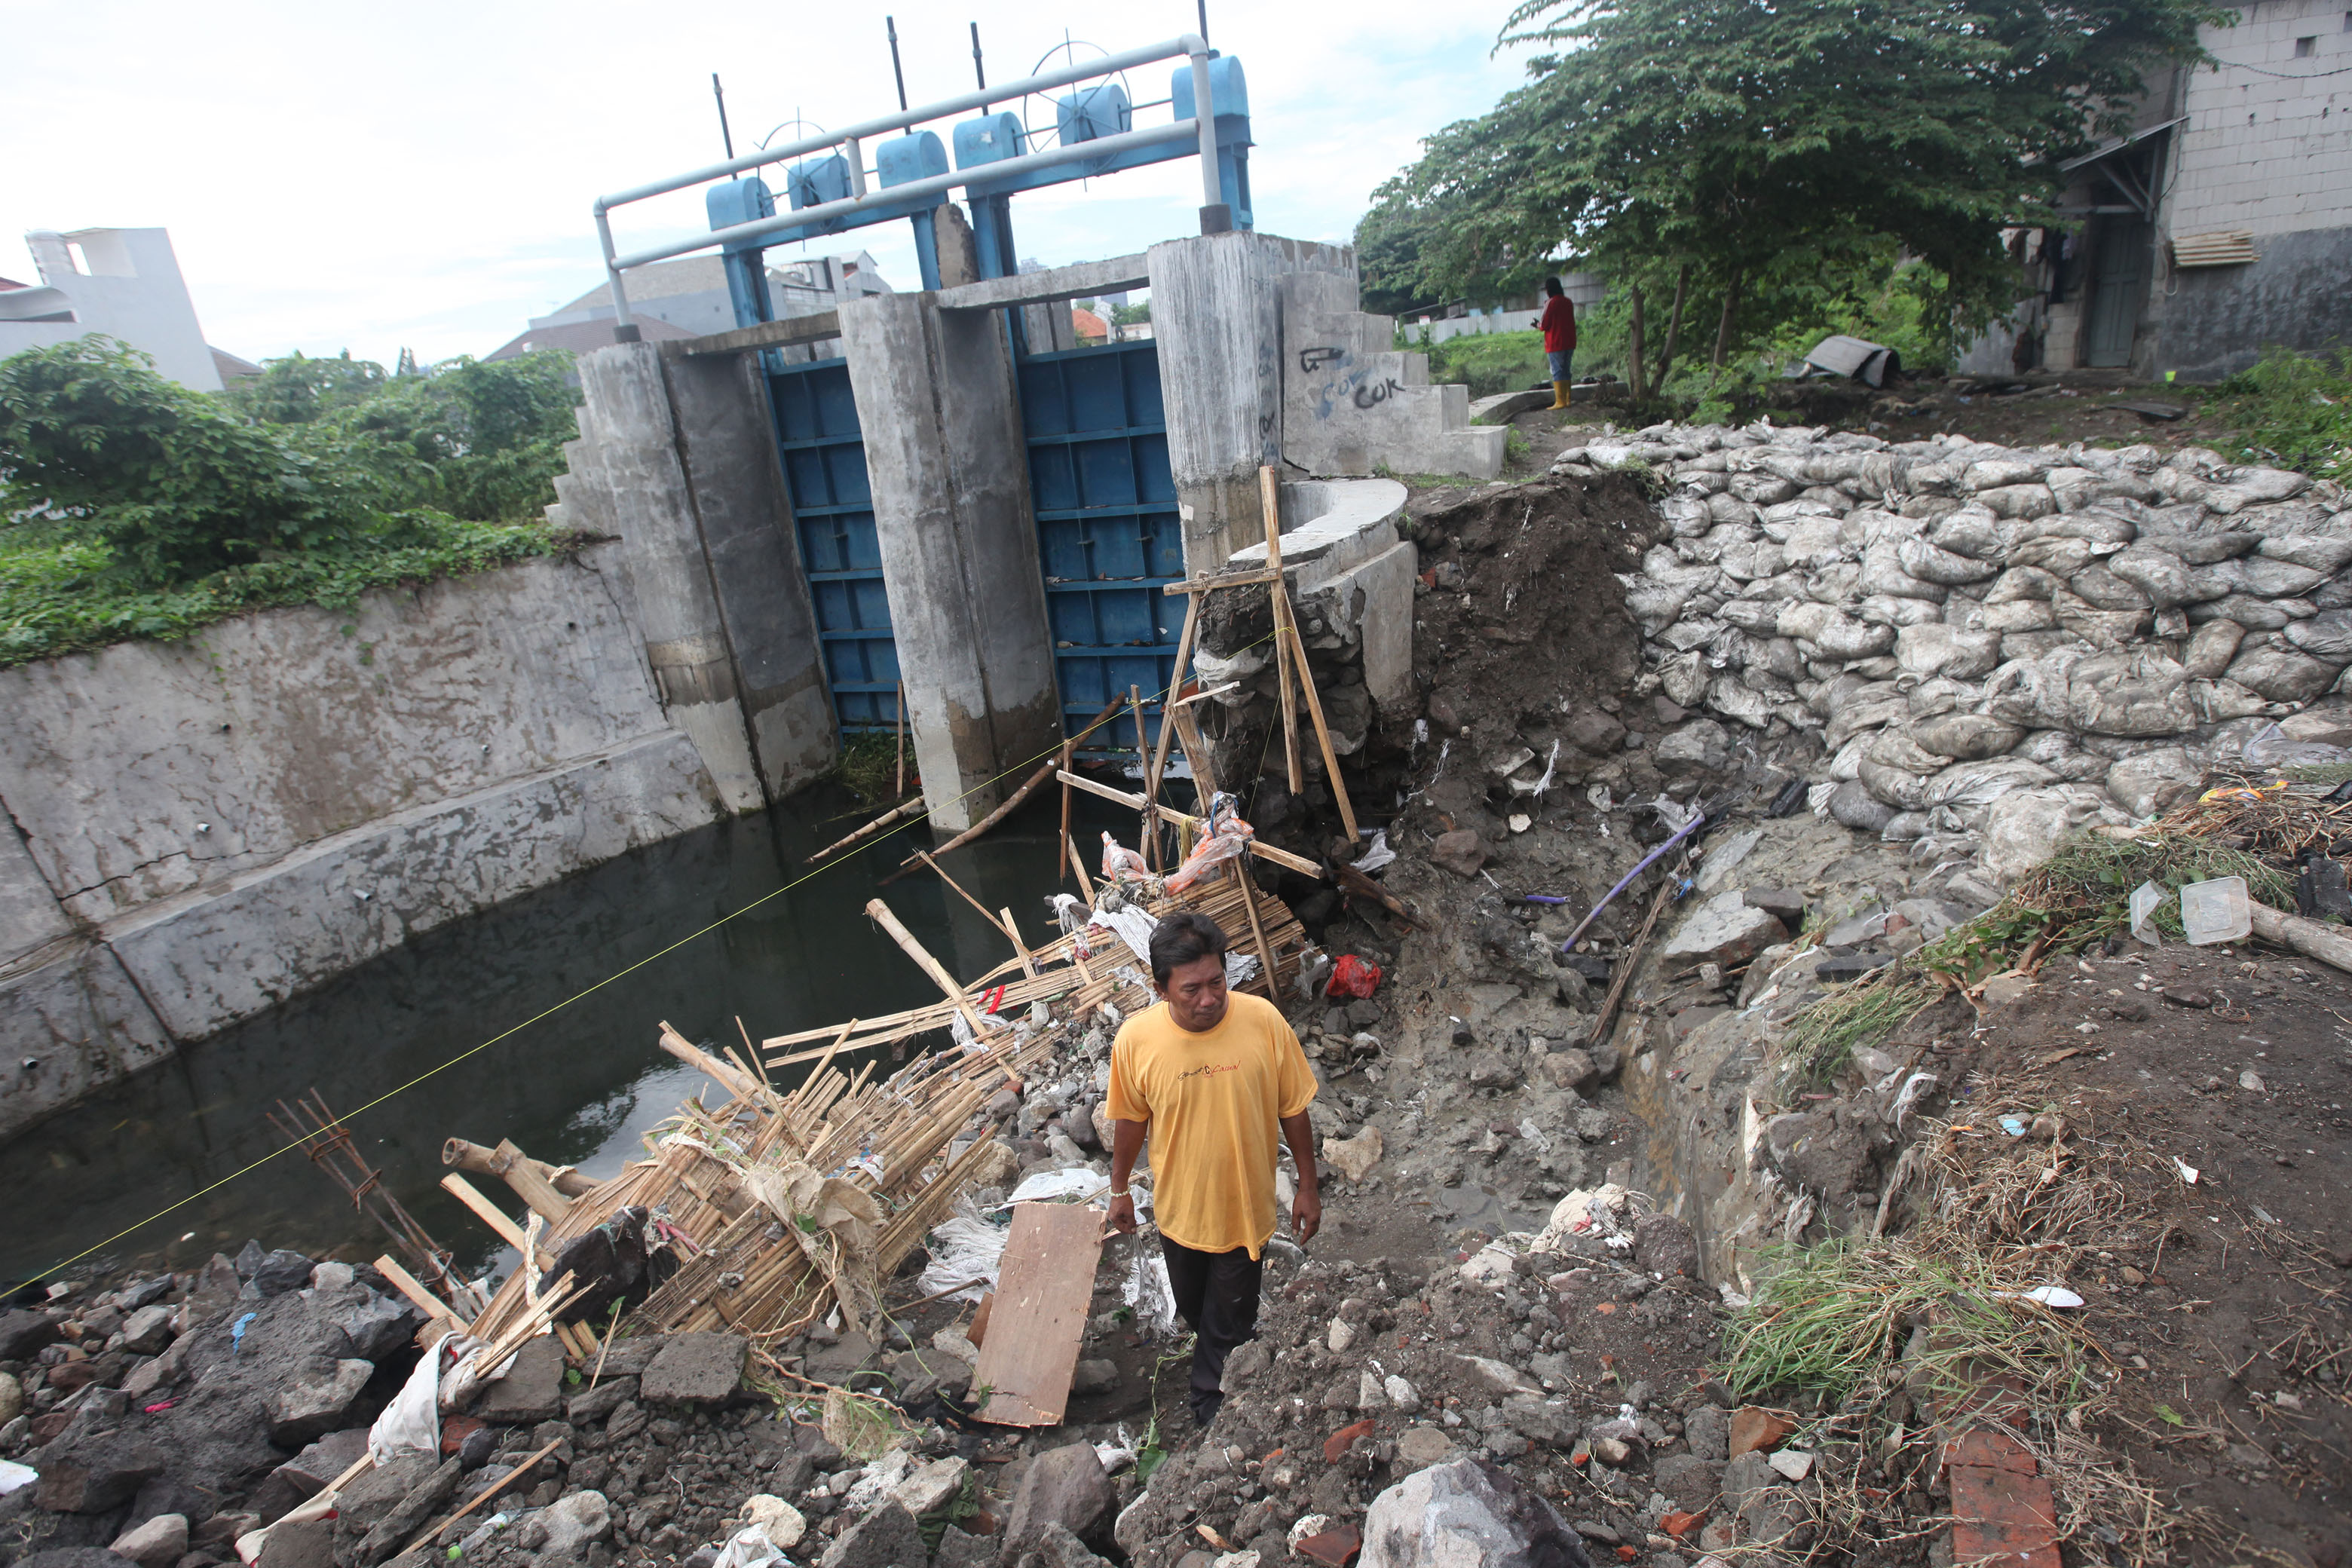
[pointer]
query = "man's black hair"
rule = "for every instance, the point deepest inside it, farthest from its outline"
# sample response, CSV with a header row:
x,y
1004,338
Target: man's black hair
x,y
1551,285
1182,938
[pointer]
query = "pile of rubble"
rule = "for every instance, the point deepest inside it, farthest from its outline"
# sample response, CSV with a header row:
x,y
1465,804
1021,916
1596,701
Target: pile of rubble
x,y
1993,646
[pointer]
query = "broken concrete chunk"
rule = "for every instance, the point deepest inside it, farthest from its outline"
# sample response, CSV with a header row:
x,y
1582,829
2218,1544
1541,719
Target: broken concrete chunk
x,y
1726,930
1465,1511
700,1370
316,1403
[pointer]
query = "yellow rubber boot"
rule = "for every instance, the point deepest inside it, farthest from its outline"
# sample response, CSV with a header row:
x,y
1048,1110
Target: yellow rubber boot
x,y
1560,395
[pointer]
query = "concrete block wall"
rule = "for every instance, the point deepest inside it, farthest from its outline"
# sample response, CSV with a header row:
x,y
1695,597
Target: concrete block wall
x,y
200,829
1352,404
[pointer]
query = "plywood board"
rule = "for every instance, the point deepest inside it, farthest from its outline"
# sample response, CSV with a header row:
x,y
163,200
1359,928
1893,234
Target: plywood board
x,y
1044,1291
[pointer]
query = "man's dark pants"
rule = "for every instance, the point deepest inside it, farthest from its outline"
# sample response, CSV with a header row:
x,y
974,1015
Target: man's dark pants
x,y
1216,1294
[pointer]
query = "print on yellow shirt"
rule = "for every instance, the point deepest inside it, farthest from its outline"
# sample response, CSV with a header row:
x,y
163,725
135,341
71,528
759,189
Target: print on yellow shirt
x,y
1215,1103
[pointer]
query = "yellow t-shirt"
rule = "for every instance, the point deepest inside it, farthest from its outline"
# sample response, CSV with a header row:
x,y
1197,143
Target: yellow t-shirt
x,y
1215,1103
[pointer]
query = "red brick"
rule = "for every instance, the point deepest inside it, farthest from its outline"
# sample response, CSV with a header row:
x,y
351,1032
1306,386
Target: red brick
x,y
1992,1450
2002,1520
1337,1443
1332,1548
1755,1428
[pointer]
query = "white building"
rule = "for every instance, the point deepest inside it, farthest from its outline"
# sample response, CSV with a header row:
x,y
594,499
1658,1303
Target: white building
x,y
122,282
687,298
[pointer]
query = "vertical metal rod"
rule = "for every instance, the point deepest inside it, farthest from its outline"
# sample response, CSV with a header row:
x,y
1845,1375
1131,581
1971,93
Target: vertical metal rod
x,y
1204,20
625,330
979,76
725,135
895,71
1206,111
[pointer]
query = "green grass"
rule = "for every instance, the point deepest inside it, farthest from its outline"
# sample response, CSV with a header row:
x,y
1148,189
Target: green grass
x,y
1823,1038
1487,363
869,766
2292,411
58,595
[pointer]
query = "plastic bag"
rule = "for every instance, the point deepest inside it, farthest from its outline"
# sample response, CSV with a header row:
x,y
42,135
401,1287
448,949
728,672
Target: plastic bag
x,y
963,1249
748,1548
1376,854
1352,977
411,1423
2269,748
1120,864
1226,837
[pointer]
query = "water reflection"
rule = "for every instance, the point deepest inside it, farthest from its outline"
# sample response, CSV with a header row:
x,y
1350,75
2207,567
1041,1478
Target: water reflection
x,y
579,1086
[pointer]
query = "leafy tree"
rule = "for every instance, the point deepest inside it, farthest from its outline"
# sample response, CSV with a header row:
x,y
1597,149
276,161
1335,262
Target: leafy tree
x,y
298,389
94,442
478,438
1130,315
1723,147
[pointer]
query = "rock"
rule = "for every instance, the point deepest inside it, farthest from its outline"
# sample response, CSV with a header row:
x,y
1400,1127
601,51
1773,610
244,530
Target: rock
x,y
1423,1446
1400,1394
1094,1377
1687,1479
1355,1157
308,1543
1540,1421
25,1333
362,1505
302,1476
1570,1069
1461,852
2280,675
1726,930
1591,730
1707,1431
1793,1463
598,1402
1057,1548
1339,1336
317,1403
281,1271
147,1331
1665,1244
12,1399
886,1538
1466,1512
209,1300
1065,1486
1497,1377
1853,805
701,1370
532,1389
157,1543
1700,746
565,1528
1492,1070
1754,1428
1614,1452
783,1522
939,1483
412,1514
97,1479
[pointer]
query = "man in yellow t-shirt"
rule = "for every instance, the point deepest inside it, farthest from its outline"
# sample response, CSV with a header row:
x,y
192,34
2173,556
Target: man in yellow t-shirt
x,y
1210,1077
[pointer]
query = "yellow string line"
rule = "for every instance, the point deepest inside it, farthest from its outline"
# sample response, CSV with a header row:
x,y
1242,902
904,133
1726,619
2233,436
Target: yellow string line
x,y
1160,697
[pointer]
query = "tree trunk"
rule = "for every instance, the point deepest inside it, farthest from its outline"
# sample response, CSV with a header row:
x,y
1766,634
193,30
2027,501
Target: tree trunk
x,y
1723,327
1634,366
1673,325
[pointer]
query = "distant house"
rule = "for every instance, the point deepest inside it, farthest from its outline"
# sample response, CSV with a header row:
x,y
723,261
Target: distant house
x,y
687,298
124,284
2221,224
1088,327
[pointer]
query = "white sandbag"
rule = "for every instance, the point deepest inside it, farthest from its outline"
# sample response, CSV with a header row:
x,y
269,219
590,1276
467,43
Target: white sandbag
x,y
1932,650
1931,564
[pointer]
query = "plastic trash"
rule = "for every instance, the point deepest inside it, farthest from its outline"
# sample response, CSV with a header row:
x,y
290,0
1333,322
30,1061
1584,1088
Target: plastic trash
x,y
2269,748
2187,1171
748,1548
1077,1183
2013,1125
14,1477
1226,837
1352,977
411,1423
966,1254
2215,911
2057,1296
1120,864
1376,854
2146,899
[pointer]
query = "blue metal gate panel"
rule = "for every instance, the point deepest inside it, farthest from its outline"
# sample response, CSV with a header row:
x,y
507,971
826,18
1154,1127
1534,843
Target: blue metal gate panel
x,y
823,451
1107,523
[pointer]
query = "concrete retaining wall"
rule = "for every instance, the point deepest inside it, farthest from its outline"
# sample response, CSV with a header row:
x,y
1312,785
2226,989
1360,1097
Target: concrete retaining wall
x,y
200,829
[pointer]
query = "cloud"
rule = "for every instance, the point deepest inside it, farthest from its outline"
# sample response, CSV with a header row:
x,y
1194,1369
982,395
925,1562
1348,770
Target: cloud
x,y
342,176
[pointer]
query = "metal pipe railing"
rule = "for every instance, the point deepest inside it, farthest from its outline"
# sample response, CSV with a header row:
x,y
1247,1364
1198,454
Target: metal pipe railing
x,y
1187,43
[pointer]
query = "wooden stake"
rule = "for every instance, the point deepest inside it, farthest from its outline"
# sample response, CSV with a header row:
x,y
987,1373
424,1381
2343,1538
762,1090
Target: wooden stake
x,y
493,1489
1077,861
1011,935
1270,499
900,725
1240,868
1028,964
1062,853
1289,629
1211,584
490,1214
1149,824
432,1306
1188,730
904,808
734,1079
1283,857
1169,699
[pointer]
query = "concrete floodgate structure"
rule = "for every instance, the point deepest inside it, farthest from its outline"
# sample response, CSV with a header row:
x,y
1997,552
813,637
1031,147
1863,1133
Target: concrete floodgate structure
x,y
803,517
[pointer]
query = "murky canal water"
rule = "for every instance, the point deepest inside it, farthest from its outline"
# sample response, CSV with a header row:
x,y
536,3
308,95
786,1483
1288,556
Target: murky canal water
x,y
578,1087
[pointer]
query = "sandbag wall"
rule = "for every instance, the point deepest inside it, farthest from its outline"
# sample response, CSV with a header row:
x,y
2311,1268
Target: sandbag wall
x,y
1994,646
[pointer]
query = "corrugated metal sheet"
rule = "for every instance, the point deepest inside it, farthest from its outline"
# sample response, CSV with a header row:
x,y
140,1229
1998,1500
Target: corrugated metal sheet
x,y
2223,247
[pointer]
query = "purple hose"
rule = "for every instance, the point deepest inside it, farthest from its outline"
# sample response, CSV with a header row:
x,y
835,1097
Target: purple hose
x,y
1647,861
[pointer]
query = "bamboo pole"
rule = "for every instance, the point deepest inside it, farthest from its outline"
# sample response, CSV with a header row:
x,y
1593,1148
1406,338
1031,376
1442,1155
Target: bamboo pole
x,y
736,1081
1077,861
1270,500
1289,628
1028,964
899,724
1282,858
904,808
1196,753
490,1214
1240,870
475,1160
1169,698
881,916
522,1174
1149,827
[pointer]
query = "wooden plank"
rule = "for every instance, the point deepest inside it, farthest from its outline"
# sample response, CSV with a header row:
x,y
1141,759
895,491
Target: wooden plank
x,y
1211,584
1283,857
425,1301
1043,1292
1270,500
1289,628
1168,700
1248,891
1028,964
1196,751
490,1214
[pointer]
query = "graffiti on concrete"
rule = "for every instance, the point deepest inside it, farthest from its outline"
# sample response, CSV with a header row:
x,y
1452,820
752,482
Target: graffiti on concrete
x,y
1312,360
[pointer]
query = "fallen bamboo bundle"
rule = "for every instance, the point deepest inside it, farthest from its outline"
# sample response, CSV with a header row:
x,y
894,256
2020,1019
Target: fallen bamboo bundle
x,y
730,1184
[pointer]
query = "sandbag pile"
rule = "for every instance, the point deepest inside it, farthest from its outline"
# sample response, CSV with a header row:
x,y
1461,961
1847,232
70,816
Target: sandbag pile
x,y
1994,646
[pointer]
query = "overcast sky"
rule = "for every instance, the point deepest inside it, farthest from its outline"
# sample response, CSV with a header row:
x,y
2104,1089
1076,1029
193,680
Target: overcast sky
x,y
372,177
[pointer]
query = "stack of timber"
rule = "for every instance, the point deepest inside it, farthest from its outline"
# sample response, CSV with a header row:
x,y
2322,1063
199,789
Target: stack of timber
x,y
746,1261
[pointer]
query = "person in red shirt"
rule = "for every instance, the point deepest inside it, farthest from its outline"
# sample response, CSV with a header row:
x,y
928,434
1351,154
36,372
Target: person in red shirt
x,y
1558,324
